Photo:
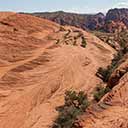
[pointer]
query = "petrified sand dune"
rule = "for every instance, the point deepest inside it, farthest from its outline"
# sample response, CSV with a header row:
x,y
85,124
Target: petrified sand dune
x,y
112,110
36,70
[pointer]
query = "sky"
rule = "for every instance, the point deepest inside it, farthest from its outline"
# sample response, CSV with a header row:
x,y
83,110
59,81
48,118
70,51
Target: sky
x,y
77,6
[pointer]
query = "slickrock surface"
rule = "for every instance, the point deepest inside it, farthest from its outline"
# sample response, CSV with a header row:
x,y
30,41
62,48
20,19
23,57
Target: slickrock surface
x,y
38,63
112,110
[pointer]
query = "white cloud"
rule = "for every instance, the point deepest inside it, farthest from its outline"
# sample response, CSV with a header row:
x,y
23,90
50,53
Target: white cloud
x,y
85,9
77,9
121,5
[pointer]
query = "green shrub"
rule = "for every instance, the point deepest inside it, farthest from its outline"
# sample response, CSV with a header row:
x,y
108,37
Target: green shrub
x,y
75,105
124,46
105,73
67,34
100,92
62,29
83,43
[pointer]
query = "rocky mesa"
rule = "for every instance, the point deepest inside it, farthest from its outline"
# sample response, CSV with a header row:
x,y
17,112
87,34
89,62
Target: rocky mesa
x,y
112,21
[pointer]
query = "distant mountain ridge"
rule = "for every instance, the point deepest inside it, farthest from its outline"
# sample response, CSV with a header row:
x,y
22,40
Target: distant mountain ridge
x,y
114,19
83,21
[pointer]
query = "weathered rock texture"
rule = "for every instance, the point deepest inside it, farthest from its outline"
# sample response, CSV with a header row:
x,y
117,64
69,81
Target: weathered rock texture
x,y
115,19
39,61
112,110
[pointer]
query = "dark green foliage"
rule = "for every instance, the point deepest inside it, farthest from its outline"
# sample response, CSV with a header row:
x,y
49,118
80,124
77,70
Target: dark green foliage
x,y
100,92
75,105
83,43
102,73
122,39
124,46
67,34
62,29
105,73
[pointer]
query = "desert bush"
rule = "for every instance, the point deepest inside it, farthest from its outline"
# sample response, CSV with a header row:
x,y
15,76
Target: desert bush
x,y
100,92
102,73
83,43
67,34
75,105
105,73
124,46
62,29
